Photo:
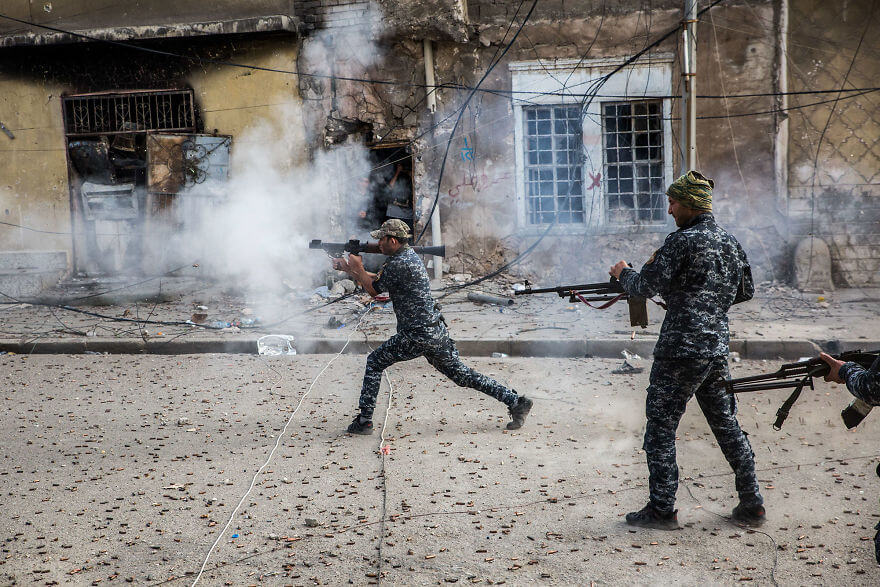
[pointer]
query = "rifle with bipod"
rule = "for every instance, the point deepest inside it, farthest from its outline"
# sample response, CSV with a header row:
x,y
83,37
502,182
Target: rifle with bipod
x,y
800,375
609,292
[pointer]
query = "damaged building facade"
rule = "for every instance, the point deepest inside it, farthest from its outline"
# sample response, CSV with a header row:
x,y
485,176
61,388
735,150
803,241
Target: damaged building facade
x,y
569,140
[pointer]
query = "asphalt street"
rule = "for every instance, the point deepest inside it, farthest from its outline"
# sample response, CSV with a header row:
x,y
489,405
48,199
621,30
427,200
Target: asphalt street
x,y
130,468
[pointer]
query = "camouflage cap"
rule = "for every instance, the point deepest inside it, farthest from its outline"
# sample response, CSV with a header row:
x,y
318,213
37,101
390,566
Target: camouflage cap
x,y
392,227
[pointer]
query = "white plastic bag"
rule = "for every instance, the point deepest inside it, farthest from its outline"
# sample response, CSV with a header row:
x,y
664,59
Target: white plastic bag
x,y
276,344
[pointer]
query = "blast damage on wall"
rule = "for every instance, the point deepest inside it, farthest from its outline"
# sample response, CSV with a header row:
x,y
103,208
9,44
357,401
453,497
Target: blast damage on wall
x,y
482,191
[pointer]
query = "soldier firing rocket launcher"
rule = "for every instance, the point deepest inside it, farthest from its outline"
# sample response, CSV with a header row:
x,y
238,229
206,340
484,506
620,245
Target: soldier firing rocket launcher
x,y
609,292
799,375
356,247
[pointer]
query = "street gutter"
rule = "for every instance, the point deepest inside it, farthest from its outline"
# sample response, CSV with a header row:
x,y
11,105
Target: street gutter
x,y
571,348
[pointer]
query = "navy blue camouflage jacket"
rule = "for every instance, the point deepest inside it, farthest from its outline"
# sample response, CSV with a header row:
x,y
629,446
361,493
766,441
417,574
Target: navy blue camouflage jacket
x,y
700,271
863,383
404,277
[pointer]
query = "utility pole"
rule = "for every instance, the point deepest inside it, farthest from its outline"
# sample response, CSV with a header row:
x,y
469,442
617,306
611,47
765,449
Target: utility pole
x,y
689,87
436,238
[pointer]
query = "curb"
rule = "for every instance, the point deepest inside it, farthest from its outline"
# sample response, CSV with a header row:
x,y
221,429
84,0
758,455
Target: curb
x,y
599,348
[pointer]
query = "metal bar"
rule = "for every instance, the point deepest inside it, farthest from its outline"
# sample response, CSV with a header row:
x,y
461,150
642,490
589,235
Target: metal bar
x,y
762,386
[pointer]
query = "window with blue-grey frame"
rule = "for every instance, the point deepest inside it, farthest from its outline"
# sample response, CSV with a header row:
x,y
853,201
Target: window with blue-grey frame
x,y
633,148
553,144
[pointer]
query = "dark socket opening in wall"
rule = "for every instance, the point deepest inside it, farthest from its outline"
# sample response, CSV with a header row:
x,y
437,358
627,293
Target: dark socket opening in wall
x,y
389,186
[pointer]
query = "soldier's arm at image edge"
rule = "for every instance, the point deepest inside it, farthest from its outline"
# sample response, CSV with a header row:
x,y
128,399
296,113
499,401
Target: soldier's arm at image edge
x,y
863,383
657,272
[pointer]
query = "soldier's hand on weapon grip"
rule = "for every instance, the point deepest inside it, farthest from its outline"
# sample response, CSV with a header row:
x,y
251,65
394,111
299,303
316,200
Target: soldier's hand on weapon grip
x,y
355,263
834,371
339,264
617,269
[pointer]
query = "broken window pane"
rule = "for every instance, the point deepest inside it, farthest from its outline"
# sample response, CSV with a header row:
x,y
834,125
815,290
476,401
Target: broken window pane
x,y
634,187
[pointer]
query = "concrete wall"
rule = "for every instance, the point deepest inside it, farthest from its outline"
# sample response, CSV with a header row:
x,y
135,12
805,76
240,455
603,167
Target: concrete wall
x,y
33,167
137,20
476,197
737,54
834,155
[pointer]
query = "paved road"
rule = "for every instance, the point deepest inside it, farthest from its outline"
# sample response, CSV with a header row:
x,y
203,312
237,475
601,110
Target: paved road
x,y
124,467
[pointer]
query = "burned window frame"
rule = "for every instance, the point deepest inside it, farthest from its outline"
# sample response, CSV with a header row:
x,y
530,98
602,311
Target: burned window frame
x,y
108,113
632,150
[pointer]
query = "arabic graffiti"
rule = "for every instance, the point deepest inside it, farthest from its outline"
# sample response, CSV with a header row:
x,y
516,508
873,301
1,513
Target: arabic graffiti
x,y
476,182
467,152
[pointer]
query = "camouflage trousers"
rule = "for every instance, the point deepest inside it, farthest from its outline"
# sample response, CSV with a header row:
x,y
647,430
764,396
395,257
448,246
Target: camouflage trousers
x,y
673,382
441,353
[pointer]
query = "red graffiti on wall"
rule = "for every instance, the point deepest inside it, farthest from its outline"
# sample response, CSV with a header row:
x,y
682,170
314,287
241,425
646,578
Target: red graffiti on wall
x,y
596,179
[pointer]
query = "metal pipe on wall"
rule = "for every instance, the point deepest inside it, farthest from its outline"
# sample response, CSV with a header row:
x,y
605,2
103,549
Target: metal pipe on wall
x,y
436,237
689,87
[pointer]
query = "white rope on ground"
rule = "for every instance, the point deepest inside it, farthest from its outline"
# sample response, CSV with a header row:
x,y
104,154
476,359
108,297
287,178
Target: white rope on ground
x,y
387,411
384,450
274,448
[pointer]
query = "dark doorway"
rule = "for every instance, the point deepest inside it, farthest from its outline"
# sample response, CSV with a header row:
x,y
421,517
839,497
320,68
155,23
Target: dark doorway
x,y
390,187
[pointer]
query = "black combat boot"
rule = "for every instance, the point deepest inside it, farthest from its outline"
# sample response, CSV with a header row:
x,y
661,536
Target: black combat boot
x,y
877,543
518,412
360,425
750,515
648,517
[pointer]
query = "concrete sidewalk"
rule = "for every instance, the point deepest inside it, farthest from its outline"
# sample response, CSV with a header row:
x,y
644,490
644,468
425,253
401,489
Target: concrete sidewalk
x,y
779,323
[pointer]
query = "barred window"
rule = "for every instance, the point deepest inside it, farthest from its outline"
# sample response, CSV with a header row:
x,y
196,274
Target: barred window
x,y
633,139
125,112
553,165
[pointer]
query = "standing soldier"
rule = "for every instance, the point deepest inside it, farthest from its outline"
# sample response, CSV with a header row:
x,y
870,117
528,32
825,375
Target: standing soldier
x,y
421,330
700,271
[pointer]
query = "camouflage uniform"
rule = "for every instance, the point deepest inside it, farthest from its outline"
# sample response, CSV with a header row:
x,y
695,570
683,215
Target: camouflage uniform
x,y
863,383
700,271
421,331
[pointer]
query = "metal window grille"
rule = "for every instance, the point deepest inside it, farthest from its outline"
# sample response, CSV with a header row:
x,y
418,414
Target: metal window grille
x,y
170,110
553,165
633,138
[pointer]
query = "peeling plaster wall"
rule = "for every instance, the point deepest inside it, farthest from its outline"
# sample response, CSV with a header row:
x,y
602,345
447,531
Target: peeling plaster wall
x,y
477,197
835,194
413,19
138,20
33,168
477,204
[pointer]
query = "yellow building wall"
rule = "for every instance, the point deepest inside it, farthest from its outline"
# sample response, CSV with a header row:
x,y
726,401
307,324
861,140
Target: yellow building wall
x,y
33,166
237,101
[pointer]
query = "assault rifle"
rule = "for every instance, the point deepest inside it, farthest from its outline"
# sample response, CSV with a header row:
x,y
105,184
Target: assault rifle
x,y
356,247
799,375
609,292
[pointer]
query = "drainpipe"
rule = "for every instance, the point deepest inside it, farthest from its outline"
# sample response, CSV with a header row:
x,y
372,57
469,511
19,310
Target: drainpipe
x,y
780,158
689,88
436,237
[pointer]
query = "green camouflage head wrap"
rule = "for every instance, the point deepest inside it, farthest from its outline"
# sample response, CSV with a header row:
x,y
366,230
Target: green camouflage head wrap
x,y
692,190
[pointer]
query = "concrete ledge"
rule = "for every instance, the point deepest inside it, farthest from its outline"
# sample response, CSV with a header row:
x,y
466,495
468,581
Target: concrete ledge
x,y
605,348
778,349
